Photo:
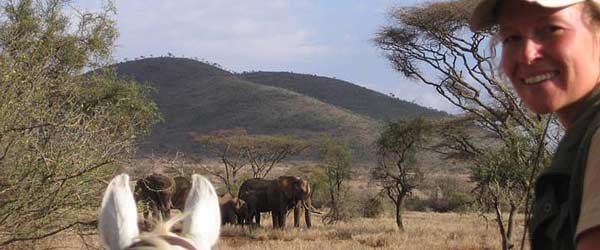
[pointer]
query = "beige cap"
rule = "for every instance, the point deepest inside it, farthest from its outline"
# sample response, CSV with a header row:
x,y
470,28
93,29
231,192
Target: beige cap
x,y
484,15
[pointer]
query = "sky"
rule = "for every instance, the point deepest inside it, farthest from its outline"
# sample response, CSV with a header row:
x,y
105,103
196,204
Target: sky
x,y
331,38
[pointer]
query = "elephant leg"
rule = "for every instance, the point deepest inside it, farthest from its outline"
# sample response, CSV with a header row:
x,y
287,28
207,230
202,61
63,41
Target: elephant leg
x,y
155,212
257,218
275,216
240,220
282,216
296,216
307,218
146,216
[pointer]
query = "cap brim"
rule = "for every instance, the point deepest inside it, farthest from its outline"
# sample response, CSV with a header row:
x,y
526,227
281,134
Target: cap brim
x,y
556,3
484,16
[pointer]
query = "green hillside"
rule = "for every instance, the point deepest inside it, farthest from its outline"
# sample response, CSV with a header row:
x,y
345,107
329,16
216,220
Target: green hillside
x,y
343,94
197,97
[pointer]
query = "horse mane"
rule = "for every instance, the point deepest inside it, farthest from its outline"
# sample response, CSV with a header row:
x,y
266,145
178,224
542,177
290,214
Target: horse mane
x,y
158,239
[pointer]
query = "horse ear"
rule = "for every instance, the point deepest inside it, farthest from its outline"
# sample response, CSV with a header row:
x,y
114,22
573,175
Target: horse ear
x,y
203,223
118,214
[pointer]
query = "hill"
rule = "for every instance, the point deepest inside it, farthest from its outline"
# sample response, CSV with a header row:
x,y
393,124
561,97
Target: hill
x,y
343,94
198,97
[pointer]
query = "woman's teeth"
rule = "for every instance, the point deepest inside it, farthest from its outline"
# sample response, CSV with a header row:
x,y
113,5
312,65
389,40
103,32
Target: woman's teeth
x,y
539,78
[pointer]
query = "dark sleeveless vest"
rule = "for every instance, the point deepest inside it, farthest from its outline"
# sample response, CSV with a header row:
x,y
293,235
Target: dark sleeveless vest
x,y
559,187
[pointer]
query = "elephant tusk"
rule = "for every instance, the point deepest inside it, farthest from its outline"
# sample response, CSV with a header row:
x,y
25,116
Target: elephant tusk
x,y
314,210
311,208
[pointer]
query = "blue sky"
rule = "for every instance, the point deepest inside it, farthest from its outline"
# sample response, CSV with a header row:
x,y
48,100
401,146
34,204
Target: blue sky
x,y
330,38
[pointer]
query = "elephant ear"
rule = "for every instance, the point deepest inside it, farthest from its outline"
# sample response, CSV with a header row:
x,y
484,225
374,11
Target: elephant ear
x,y
288,185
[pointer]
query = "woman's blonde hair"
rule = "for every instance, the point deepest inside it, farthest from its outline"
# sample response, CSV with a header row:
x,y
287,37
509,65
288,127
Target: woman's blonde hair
x,y
592,9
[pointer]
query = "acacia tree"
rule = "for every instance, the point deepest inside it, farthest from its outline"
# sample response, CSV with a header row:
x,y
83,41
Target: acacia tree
x,y
264,151
433,45
502,184
336,161
397,171
229,145
61,131
237,149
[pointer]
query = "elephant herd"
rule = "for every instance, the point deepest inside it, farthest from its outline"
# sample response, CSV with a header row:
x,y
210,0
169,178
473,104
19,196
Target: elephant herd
x,y
160,193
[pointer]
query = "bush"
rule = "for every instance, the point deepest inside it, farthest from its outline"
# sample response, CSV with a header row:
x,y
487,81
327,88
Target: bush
x,y
417,204
318,182
446,194
63,132
454,202
372,207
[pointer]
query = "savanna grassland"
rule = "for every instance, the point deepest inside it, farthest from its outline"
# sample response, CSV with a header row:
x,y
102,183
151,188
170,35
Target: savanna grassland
x,y
423,230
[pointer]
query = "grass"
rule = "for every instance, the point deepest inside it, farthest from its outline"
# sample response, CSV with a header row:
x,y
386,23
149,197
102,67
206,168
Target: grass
x,y
422,231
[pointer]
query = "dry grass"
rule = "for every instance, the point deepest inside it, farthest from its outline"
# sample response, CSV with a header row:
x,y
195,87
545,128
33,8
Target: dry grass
x,y
423,231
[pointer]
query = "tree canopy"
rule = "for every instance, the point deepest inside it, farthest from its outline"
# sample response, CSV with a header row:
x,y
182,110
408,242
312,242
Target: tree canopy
x,y
62,130
432,44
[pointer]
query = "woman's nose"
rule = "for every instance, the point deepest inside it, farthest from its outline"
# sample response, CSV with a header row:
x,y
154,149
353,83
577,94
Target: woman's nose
x,y
531,51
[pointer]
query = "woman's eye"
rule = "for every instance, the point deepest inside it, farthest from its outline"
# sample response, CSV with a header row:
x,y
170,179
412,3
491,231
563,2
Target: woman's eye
x,y
510,38
553,29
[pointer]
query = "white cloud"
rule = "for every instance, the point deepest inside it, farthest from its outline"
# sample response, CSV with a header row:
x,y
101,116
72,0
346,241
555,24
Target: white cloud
x,y
329,38
246,30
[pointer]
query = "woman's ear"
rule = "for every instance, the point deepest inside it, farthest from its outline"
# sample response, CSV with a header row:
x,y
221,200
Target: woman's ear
x,y
118,215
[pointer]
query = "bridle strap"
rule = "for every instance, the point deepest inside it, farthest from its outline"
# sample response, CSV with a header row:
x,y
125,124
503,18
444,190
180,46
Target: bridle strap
x,y
172,240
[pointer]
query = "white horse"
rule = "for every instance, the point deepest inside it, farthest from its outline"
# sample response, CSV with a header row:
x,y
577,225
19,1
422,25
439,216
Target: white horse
x,y
118,220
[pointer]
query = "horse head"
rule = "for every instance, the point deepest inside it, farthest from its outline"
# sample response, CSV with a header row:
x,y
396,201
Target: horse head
x,y
118,219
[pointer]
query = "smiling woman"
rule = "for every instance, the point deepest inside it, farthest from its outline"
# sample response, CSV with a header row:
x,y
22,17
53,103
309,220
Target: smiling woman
x,y
551,54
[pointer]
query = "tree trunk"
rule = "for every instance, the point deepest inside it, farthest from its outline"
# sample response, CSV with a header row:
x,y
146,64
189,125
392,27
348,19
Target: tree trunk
x,y
504,232
333,214
511,222
398,204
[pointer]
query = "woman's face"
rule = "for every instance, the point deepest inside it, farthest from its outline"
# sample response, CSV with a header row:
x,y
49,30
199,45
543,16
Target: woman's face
x,y
550,55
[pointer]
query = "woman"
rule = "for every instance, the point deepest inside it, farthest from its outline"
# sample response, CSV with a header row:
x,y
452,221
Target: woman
x,y
551,54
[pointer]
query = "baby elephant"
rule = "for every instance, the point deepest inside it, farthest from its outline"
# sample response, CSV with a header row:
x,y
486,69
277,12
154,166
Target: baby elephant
x,y
155,191
233,209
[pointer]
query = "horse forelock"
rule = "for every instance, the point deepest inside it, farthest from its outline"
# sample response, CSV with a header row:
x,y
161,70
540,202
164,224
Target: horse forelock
x,y
161,237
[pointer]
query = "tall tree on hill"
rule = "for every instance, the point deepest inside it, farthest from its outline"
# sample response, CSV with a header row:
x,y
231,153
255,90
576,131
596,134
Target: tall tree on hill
x,y
61,131
433,45
397,172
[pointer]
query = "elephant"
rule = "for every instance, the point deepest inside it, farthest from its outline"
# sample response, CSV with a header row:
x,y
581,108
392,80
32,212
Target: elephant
x,y
155,191
233,209
182,188
278,197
